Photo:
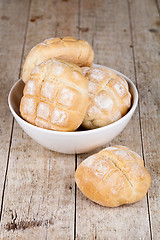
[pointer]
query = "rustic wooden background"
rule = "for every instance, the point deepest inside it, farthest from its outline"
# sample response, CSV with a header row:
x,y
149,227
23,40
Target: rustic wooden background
x,y
39,199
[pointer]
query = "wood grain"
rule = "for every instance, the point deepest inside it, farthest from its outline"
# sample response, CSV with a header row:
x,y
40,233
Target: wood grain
x,y
113,47
146,40
11,48
158,5
39,194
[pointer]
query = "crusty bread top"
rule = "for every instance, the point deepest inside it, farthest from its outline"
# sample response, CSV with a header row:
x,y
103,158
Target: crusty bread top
x,y
109,97
114,176
56,96
67,48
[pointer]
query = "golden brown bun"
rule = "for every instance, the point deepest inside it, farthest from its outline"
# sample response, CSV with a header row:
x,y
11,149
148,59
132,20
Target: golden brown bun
x,y
68,48
114,176
55,96
109,97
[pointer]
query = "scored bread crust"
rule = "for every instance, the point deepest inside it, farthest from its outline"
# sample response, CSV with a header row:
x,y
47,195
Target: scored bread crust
x,y
56,96
67,48
109,97
113,177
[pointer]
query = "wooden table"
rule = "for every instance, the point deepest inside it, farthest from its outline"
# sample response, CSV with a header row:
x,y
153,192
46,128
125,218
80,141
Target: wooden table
x,y
39,198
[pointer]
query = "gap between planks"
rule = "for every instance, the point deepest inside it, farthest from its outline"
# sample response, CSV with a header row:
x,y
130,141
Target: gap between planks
x,y
5,178
157,5
139,110
12,127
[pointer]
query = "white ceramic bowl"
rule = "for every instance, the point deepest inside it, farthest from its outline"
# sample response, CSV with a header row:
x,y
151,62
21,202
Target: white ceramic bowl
x,y
71,142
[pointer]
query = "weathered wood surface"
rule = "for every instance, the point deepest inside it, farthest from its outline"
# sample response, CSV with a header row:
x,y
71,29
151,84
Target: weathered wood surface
x,y
13,21
146,41
40,200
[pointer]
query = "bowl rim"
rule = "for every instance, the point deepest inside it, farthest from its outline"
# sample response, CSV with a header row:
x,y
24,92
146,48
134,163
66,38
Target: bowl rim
x,y
87,131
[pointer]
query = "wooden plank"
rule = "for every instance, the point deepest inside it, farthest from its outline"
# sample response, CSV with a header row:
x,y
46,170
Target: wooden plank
x,y
146,40
51,19
112,43
12,32
39,194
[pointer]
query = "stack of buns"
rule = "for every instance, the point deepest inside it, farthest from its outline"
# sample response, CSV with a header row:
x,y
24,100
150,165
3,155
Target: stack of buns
x,y
63,91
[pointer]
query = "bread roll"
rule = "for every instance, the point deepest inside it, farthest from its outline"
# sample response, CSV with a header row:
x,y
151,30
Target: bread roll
x,y
56,96
114,176
109,97
68,48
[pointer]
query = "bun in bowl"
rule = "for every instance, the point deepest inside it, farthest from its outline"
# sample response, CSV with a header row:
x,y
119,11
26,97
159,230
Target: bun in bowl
x,y
67,48
56,96
109,97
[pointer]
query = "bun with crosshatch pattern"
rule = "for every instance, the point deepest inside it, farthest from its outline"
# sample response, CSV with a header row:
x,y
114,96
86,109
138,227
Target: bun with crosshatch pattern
x,y
67,48
56,96
113,177
109,97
